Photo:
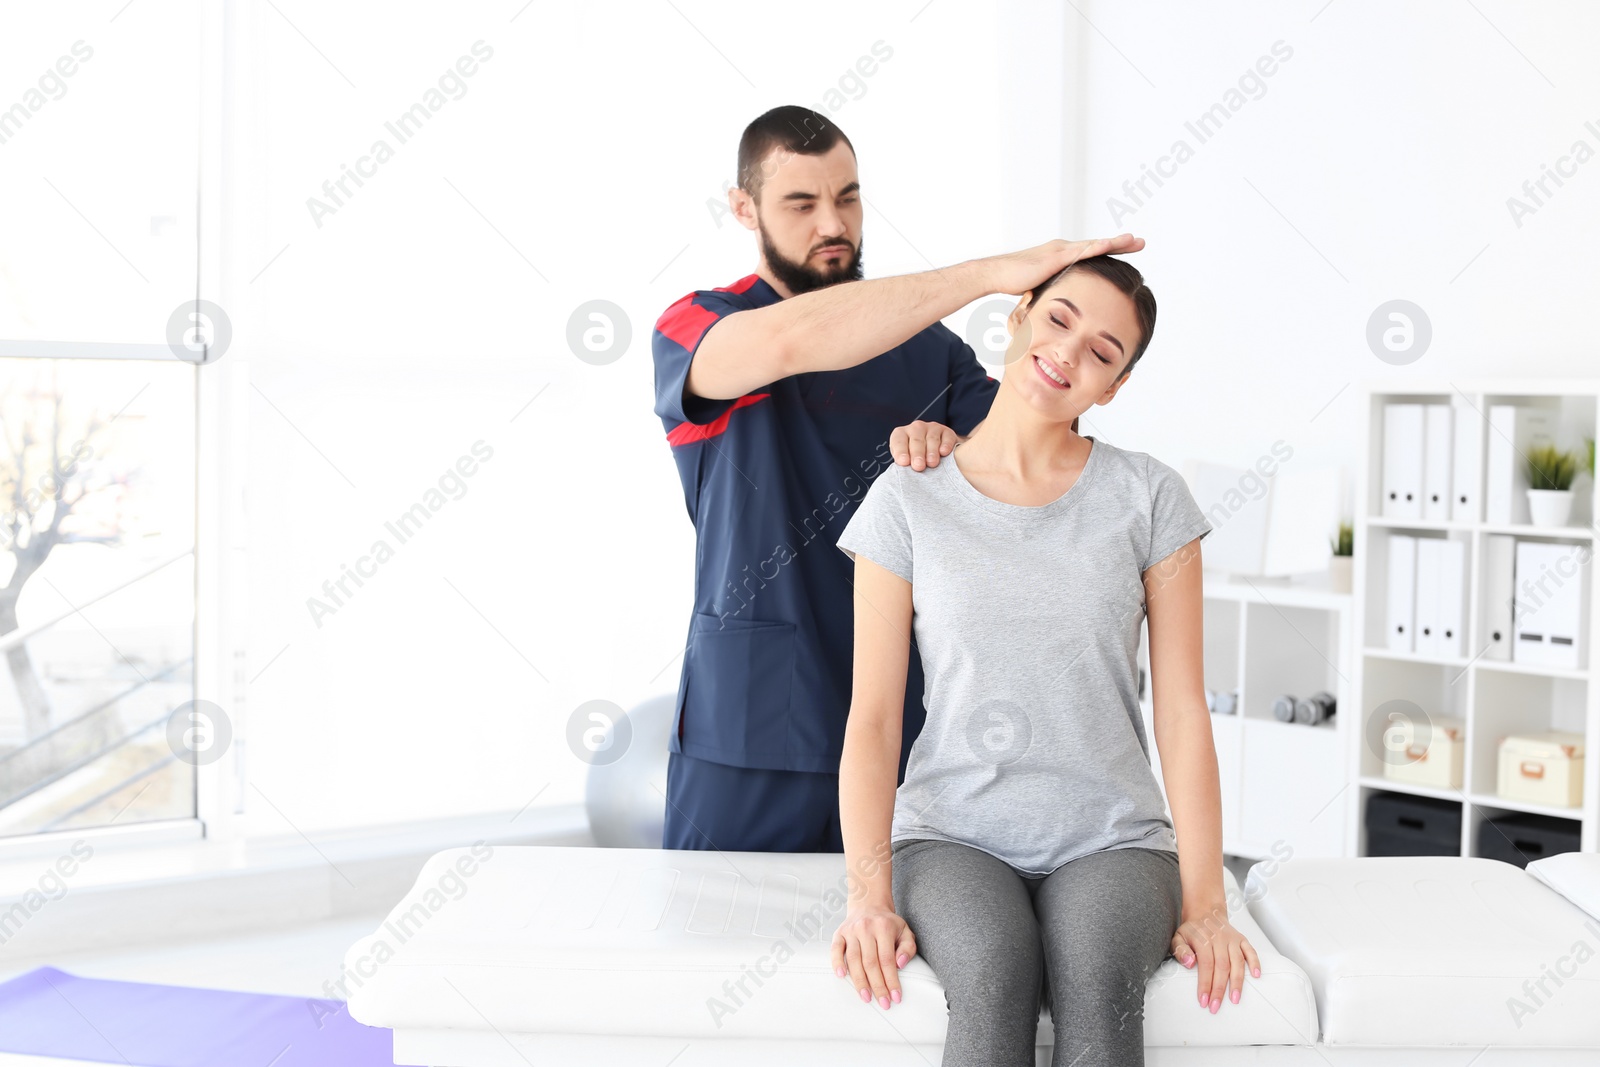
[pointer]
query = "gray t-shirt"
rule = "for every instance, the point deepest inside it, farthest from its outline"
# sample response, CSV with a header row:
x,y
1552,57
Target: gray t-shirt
x,y
1027,620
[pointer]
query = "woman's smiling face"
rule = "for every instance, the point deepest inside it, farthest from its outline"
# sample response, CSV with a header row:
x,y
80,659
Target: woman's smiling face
x,y
1082,330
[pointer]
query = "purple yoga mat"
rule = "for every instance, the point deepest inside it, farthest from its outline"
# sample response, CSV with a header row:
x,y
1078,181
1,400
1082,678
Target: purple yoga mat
x,y
47,1012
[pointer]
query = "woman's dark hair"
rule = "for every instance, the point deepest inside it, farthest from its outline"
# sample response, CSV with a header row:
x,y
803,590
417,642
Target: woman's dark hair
x,y
1129,281
797,130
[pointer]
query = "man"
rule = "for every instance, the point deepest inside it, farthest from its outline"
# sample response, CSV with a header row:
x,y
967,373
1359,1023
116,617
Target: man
x,y
783,396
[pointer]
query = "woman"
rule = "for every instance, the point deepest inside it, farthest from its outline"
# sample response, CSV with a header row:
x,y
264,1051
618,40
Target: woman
x,y
1030,850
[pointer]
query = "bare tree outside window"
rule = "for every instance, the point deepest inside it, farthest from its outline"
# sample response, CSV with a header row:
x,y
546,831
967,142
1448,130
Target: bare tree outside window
x,y
46,480
93,671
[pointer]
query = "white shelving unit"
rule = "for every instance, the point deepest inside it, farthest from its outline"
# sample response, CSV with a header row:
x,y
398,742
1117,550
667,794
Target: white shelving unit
x,y
1282,783
1493,698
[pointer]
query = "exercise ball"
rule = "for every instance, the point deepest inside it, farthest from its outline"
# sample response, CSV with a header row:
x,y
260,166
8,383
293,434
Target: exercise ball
x,y
626,796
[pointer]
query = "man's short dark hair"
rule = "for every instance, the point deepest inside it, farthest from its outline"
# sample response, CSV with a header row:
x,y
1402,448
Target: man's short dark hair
x,y
797,130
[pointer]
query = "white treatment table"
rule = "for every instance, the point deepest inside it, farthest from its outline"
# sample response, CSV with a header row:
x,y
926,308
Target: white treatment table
x,y
1442,960
586,956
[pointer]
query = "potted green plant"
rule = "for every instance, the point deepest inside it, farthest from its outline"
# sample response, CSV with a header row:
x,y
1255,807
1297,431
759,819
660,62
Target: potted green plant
x,y
1550,474
1339,568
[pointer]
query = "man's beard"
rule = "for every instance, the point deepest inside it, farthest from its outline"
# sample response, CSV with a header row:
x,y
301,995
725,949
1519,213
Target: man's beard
x,y
801,277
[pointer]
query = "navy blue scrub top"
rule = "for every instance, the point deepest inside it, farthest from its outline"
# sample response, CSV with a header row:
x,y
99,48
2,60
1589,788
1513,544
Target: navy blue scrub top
x,y
770,479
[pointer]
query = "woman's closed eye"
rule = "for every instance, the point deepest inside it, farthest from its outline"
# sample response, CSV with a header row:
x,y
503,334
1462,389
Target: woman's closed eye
x,y
1063,325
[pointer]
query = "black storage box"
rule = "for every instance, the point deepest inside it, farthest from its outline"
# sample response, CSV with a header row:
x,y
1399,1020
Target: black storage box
x,y
1523,838
1399,824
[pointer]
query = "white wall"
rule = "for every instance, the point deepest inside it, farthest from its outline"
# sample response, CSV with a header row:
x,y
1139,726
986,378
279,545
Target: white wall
x,y
409,325
405,328
1376,165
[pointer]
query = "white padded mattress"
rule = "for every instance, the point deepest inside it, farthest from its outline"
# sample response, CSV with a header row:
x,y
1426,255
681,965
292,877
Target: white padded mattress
x,y
1435,951
652,942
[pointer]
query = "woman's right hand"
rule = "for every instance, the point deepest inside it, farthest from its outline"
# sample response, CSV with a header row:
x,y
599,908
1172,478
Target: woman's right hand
x,y
871,946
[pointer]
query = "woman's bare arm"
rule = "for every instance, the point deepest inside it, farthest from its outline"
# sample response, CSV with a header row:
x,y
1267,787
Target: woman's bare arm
x,y
1173,598
867,771
1182,723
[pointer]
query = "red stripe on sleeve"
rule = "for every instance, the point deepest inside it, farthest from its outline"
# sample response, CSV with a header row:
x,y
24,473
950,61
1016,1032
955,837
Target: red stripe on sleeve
x,y
688,433
685,322
739,286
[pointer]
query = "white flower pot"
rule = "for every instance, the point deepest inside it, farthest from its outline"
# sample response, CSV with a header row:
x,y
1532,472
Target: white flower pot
x,y
1340,569
1550,507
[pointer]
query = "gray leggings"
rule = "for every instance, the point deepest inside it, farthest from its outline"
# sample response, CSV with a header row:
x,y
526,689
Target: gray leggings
x,y
1086,936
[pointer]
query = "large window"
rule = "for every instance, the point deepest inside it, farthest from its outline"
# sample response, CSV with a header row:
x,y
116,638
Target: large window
x,y
99,146
99,112
96,592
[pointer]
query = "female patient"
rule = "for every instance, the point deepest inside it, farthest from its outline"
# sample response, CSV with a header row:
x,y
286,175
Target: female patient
x,y
1030,851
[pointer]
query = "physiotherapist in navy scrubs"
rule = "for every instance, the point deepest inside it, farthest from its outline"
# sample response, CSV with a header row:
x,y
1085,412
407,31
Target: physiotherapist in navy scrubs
x,y
784,394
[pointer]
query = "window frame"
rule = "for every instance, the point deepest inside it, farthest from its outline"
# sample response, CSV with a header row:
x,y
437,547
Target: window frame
x,y
218,639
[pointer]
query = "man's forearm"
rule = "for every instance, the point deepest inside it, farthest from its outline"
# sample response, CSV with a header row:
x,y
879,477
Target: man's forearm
x,y
847,324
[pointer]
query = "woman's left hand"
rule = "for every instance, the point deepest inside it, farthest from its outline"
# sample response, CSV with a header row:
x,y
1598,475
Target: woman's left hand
x,y
1221,952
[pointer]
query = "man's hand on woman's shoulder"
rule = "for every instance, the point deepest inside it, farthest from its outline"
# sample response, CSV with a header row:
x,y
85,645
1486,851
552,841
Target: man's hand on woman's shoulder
x,y
920,443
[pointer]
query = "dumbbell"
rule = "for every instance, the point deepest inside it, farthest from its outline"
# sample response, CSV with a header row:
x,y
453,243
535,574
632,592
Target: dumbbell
x,y
1313,710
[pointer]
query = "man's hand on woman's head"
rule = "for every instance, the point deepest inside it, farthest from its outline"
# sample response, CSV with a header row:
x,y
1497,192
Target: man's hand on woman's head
x,y
1019,272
